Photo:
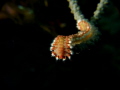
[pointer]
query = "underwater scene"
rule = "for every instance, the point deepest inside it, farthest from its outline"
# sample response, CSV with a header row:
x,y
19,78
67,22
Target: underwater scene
x,y
59,44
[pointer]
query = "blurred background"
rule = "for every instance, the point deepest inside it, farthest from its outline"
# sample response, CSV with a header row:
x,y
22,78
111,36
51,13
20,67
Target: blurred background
x,y
28,27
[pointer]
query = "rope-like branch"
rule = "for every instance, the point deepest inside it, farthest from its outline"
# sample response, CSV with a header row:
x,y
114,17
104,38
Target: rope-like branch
x,y
62,45
75,10
99,10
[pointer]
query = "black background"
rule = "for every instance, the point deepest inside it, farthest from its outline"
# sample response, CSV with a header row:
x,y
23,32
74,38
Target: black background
x,y
26,60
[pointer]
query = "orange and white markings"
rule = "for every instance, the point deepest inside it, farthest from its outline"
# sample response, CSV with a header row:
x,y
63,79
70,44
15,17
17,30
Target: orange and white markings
x,y
61,47
83,25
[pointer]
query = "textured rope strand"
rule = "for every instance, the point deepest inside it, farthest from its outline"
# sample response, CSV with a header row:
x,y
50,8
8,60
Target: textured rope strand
x,y
75,10
99,10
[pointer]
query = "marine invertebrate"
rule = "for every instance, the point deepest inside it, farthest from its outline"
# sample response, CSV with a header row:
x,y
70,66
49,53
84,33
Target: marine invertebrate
x,y
62,45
